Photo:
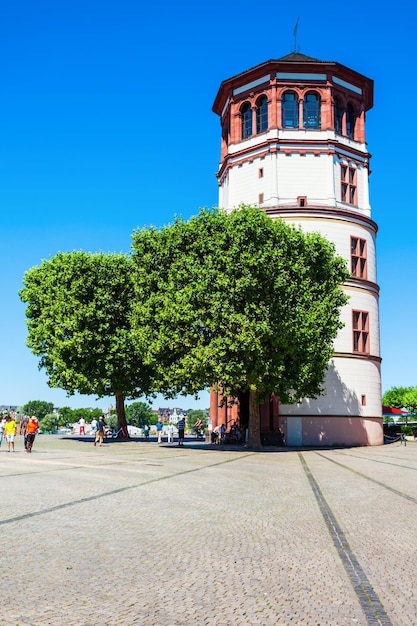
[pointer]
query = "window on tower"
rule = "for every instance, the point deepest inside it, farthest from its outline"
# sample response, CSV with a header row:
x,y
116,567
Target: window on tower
x,y
358,261
290,110
246,113
360,327
338,116
311,110
261,114
350,121
348,184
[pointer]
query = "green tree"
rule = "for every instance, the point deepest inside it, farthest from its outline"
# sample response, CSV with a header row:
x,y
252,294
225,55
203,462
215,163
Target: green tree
x,y
394,397
410,400
241,300
139,414
78,317
40,408
49,423
67,415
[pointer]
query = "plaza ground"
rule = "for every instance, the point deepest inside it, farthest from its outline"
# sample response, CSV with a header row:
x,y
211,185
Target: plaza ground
x,y
139,534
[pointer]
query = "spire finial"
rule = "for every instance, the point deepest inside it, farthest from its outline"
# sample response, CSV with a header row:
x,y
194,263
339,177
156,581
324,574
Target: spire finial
x,y
295,34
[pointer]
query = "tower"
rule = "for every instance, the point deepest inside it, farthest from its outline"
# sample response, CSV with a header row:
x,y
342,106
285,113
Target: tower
x,y
293,143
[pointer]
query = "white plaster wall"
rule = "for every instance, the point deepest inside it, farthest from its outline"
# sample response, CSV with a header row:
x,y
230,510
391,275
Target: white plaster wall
x,y
362,183
340,232
359,300
307,175
316,177
347,380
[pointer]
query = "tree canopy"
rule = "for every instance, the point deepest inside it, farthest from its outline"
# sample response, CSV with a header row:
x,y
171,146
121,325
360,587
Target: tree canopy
x,y
78,317
139,414
242,301
410,399
39,408
395,397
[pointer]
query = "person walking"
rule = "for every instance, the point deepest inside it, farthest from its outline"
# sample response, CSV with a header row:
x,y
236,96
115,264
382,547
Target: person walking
x,y
2,425
101,428
181,431
94,426
10,429
170,432
159,429
31,430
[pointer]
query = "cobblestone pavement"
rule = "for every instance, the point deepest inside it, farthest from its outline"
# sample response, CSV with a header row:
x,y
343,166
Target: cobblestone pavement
x,y
139,534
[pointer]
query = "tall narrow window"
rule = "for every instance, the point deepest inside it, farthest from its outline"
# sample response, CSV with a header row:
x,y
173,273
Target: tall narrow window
x,y
311,110
348,184
358,264
246,112
360,327
290,110
262,114
338,116
350,121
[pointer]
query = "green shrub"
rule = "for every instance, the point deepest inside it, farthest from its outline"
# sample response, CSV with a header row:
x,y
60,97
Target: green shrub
x,y
49,423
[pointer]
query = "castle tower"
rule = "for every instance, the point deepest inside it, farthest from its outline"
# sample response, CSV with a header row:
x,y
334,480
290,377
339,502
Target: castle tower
x,y
293,143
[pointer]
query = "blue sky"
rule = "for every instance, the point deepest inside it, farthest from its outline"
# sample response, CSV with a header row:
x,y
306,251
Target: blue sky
x,y
106,125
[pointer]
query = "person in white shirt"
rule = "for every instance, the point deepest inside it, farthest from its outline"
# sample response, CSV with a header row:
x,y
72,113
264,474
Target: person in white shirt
x,y
2,425
170,432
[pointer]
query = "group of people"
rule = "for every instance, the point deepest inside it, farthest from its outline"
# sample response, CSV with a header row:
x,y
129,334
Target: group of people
x,y
160,428
234,435
28,427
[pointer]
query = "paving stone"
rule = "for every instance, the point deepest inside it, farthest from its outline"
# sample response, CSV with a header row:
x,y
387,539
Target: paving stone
x,y
139,534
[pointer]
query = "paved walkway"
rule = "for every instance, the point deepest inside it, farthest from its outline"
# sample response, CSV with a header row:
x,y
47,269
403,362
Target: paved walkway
x,y
140,534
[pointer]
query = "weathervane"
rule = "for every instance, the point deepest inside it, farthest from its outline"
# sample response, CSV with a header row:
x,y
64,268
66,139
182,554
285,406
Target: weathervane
x,y
295,34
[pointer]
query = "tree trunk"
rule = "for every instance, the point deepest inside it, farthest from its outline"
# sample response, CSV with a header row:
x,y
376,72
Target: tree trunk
x,y
122,432
254,434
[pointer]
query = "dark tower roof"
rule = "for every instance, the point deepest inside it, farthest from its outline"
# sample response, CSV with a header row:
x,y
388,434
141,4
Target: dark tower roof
x,y
296,57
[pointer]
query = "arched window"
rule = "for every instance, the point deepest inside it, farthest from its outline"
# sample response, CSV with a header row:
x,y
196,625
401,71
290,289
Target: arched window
x,y
261,114
246,112
311,110
350,121
290,110
338,116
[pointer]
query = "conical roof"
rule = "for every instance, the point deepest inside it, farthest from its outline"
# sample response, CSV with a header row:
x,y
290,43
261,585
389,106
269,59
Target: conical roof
x,y
297,57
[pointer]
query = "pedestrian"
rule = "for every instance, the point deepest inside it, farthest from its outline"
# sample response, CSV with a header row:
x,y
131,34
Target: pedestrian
x,y
10,429
101,429
94,426
31,430
82,426
2,425
25,424
170,432
159,429
181,429
222,433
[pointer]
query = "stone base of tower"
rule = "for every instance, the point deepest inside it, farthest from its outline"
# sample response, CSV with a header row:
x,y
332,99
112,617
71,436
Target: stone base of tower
x,y
297,430
337,430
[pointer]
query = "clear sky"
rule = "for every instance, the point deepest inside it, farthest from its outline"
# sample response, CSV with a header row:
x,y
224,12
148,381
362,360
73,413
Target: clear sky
x,y
106,126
